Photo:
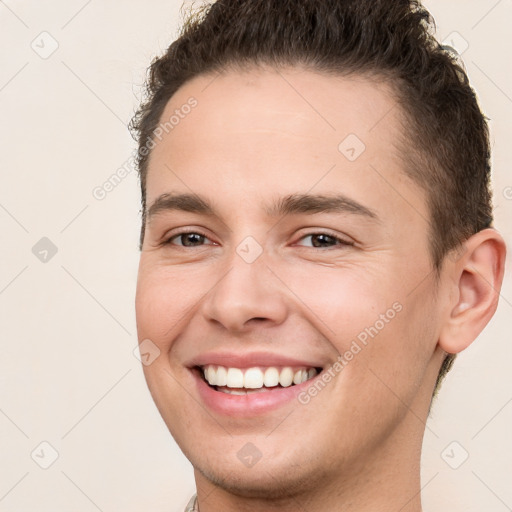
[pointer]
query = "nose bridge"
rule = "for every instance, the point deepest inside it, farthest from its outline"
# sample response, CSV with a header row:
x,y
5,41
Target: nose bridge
x,y
247,290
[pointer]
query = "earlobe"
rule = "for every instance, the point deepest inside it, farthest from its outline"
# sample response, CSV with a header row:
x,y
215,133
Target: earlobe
x,y
478,275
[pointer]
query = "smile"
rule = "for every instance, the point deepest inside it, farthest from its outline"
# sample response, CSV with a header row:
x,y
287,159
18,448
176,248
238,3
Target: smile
x,y
236,381
252,383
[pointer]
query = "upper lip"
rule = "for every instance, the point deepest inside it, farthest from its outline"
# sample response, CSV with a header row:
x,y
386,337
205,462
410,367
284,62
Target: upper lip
x,y
251,359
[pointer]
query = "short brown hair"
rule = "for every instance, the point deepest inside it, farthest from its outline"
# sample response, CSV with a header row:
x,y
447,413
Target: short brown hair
x,y
445,146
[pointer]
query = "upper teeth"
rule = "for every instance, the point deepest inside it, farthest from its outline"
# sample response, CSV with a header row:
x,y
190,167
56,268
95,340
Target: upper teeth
x,y
254,378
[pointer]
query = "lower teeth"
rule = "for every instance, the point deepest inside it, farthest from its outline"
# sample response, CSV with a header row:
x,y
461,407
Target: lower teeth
x,y
243,391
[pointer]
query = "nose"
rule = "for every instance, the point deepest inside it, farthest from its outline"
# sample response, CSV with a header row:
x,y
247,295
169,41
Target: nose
x,y
245,295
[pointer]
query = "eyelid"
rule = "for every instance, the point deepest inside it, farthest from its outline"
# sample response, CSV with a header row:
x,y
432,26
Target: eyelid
x,y
319,231
322,231
170,236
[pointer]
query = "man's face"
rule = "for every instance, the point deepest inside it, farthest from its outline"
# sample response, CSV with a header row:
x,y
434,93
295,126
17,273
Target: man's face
x,y
259,287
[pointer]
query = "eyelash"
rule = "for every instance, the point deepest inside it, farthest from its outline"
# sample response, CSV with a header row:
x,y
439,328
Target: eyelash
x,y
181,233
338,240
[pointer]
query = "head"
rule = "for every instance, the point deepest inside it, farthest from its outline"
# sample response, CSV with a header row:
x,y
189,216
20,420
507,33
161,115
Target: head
x,y
333,162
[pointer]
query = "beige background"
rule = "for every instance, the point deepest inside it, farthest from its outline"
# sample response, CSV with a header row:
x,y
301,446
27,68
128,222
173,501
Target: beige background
x,y
68,376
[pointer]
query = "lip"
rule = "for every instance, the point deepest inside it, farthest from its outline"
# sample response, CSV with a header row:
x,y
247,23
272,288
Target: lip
x,y
251,405
251,359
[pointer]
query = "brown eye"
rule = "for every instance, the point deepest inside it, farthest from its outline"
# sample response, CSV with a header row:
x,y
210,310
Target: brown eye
x,y
188,239
319,240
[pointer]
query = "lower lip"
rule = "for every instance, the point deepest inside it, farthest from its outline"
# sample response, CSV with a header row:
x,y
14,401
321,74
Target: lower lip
x,y
251,404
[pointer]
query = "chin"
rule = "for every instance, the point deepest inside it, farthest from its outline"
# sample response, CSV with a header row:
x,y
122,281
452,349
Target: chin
x,y
273,482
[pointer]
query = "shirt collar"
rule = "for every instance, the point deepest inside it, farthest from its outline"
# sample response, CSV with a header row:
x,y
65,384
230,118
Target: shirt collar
x,y
192,505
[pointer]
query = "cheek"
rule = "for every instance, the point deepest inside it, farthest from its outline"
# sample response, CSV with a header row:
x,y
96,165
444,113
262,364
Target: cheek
x,y
397,357
341,302
386,334
164,299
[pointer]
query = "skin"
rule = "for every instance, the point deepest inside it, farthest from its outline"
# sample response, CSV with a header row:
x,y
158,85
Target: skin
x,y
253,137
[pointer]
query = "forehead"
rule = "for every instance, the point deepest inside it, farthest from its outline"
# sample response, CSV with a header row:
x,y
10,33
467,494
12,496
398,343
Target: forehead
x,y
267,130
292,102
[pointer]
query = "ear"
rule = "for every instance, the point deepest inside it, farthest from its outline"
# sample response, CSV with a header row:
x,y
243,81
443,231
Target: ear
x,y
477,275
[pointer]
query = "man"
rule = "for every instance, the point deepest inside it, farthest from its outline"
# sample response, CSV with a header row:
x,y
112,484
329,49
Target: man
x,y
316,247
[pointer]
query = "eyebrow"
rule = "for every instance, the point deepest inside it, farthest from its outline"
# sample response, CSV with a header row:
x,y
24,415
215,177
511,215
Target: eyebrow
x,y
287,205
318,203
181,202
